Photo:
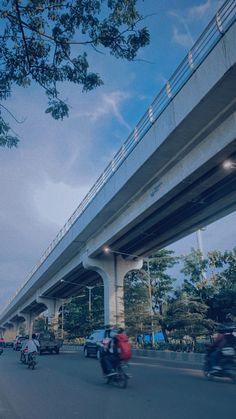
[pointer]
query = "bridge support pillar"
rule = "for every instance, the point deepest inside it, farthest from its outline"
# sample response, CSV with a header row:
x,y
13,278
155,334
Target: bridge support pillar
x,y
9,332
29,319
112,268
16,327
2,331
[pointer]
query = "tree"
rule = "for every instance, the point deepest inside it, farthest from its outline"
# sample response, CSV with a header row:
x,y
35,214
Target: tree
x,y
222,304
40,324
187,316
196,283
47,41
213,281
78,320
136,303
161,283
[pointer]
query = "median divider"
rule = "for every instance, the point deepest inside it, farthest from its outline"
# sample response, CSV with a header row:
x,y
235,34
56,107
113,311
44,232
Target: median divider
x,y
188,357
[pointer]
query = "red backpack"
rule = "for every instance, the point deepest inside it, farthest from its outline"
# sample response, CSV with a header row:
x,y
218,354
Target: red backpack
x,y
124,347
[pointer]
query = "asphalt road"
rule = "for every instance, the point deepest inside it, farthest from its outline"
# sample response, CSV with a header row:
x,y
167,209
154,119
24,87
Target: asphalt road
x,y
68,386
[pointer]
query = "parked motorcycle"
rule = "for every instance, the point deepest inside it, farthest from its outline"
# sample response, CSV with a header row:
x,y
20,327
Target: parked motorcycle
x,y
227,366
1,351
120,377
32,360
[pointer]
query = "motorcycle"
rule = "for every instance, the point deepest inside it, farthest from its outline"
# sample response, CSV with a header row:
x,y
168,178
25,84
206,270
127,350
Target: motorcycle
x,y
32,360
23,356
227,366
120,376
1,351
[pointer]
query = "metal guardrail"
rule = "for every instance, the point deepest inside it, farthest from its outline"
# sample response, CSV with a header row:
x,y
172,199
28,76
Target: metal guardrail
x,y
218,26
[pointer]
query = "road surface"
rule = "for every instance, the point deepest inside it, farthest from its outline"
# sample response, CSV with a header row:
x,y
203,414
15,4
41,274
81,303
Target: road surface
x,y
68,386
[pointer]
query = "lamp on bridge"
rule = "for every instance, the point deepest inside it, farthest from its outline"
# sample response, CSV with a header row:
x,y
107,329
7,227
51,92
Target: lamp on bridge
x,y
229,164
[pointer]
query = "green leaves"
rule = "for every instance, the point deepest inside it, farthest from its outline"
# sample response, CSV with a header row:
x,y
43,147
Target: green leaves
x,y
44,41
6,138
58,110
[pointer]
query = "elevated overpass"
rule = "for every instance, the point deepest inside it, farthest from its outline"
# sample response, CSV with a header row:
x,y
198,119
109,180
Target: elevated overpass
x,y
168,179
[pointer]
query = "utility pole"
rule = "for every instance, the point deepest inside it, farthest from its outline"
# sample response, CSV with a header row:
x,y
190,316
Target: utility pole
x,y
90,298
201,248
150,301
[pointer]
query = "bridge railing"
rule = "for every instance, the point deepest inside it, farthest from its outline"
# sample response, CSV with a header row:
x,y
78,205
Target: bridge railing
x,y
218,26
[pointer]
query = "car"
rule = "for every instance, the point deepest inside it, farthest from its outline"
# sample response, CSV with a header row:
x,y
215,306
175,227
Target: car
x,y
2,342
9,343
93,343
17,342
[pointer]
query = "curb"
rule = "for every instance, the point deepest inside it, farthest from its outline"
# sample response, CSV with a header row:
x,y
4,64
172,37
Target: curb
x,y
188,357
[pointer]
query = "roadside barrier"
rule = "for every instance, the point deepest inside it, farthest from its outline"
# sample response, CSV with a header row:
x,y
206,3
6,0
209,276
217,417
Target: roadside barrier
x,y
188,357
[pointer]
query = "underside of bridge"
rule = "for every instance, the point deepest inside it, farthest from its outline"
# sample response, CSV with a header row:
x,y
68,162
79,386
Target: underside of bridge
x,y
171,184
73,284
184,213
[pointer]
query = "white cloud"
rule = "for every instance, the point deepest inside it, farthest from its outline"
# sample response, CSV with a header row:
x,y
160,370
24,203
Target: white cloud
x,y
182,38
189,18
108,105
55,202
197,12
204,10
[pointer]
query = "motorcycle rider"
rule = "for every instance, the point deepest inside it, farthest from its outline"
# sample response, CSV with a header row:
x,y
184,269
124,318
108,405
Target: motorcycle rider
x,y
112,355
224,338
23,350
32,345
109,356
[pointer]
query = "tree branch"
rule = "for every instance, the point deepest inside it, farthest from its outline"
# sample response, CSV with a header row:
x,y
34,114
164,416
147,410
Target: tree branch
x,y
22,31
18,122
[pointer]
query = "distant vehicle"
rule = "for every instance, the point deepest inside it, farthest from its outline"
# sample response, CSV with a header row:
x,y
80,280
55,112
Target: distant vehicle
x,y
227,365
2,342
9,344
17,342
93,344
48,343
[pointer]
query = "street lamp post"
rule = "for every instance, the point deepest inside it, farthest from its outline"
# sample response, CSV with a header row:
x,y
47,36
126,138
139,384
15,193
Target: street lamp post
x,y
62,320
201,248
150,299
89,287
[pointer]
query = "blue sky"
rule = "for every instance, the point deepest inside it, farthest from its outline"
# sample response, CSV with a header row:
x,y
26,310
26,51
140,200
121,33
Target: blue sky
x,y
44,180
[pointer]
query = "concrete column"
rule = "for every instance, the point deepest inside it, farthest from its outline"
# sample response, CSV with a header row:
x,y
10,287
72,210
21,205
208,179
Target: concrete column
x,y
16,322
112,268
9,333
16,327
2,331
29,319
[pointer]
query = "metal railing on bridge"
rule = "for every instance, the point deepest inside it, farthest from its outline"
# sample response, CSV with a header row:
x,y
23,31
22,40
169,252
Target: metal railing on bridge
x,y
218,26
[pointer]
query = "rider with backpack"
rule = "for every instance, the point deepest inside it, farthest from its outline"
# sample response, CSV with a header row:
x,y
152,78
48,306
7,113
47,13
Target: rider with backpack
x,y
118,349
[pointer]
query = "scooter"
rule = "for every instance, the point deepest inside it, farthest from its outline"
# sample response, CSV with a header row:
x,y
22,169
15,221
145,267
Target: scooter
x,y
226,368
120,376
23,357
32,360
